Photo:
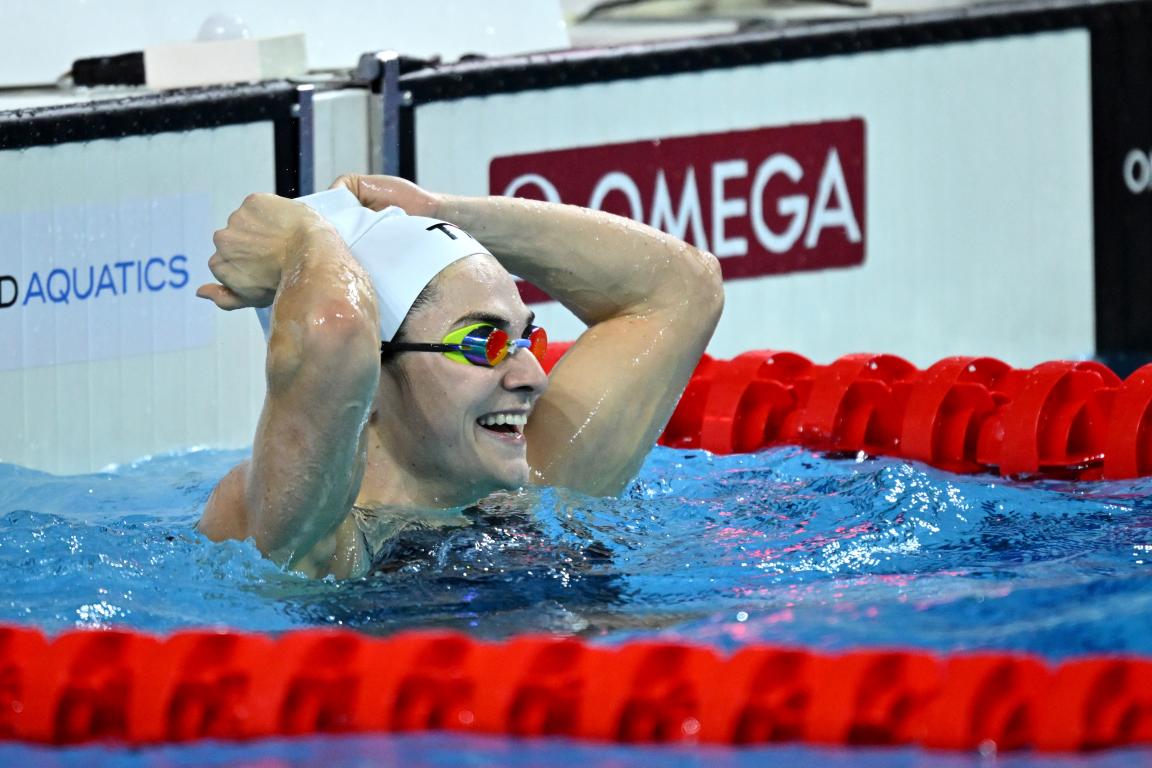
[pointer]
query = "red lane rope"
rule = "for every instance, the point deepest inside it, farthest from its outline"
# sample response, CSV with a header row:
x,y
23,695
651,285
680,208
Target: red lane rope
x,y
965,414
137,689
1074,420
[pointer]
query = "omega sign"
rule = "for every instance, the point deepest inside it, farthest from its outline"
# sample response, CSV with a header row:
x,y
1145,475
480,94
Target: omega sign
x,y
765,201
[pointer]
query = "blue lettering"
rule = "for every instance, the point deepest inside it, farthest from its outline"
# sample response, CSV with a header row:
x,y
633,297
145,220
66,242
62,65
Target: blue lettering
x,y
183,273
34,289
105,282
123,266
76,283
63,285
148,275
60,295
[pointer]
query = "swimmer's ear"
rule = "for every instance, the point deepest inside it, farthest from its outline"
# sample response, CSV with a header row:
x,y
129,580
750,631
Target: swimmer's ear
x,y
221,296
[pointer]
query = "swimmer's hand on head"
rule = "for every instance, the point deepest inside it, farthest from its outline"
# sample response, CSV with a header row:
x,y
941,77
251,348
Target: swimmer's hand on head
x,y
264,233
379,192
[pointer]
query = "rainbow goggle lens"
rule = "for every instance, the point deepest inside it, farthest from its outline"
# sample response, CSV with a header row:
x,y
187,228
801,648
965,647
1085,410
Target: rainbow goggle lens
x,y
480,344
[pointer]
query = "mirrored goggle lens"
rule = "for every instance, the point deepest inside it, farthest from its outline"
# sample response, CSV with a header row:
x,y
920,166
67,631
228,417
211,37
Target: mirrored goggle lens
x,y
489,346
485,345
537,342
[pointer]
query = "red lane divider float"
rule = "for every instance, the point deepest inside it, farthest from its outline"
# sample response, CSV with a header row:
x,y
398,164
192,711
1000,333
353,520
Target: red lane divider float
x,y
964,414
130,688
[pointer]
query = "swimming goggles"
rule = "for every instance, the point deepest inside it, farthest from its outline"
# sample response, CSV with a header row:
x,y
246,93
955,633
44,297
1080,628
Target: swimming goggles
x,y
480,344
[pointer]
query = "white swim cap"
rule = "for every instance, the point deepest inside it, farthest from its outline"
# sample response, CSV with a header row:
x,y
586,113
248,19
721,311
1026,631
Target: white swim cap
x,y
400,253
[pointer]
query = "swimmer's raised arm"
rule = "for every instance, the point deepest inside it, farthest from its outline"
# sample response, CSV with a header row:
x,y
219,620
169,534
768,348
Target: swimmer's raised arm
x,y
322,371
651,303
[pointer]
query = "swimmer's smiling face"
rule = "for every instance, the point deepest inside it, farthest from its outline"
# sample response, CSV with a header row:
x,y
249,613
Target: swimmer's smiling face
x,y
448,433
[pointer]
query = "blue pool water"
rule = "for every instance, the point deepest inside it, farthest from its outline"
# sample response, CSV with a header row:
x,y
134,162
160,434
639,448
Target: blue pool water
x,y
782,547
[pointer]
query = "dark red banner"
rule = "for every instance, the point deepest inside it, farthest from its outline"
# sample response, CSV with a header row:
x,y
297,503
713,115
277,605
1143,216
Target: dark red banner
x,y
765,201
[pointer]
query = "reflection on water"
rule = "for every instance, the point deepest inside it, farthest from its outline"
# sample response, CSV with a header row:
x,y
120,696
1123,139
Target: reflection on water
x,y
782,546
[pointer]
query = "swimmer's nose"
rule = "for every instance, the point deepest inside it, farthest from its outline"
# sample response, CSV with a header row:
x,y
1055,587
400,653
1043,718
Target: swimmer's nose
x,y
523,372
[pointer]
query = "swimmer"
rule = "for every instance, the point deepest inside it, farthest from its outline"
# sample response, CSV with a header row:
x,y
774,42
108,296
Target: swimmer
x,y
386,400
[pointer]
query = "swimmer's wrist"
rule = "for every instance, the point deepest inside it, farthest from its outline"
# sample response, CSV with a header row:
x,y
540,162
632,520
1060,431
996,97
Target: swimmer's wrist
x,y
312,235
437,206
456,209
317,251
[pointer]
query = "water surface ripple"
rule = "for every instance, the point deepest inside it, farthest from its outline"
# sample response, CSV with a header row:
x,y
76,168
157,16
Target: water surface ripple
x,y
783,546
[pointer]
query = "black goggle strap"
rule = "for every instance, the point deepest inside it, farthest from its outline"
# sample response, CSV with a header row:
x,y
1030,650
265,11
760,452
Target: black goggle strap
x,y
472,346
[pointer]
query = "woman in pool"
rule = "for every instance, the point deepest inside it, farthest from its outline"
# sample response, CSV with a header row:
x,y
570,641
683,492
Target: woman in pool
x,y
352,427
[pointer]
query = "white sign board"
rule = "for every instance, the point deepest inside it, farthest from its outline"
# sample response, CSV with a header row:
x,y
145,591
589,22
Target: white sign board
x,y
977,232
106,355
98,281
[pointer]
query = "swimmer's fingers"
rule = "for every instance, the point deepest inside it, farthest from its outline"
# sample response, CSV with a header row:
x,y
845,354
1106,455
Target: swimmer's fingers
x,y
221,297
350,181
379,192
255,278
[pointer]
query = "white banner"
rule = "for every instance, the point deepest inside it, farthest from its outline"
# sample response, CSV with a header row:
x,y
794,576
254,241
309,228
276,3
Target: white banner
x,y
92,282
106,354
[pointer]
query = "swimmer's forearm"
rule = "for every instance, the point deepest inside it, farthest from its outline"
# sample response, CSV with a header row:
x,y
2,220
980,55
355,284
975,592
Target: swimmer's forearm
x,y
325,310
597,264
322,370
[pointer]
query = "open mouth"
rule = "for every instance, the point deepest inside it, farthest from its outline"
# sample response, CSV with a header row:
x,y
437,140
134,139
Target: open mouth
x,y
504,423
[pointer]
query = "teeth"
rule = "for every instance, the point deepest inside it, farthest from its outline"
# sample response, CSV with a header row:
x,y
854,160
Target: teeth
x,y
502,419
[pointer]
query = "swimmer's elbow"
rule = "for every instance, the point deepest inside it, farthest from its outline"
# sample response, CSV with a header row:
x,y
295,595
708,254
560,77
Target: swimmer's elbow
x,y
695,292
711,286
